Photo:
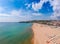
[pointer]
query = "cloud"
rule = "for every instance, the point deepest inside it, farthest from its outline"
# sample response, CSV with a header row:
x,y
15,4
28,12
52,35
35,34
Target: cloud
x,y
13,15
56,8
8,14
37,6
37,14
18,15
8,19
55,15
54,3
3,14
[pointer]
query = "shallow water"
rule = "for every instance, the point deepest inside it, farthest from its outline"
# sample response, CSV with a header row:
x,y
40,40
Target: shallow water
x,y
15,33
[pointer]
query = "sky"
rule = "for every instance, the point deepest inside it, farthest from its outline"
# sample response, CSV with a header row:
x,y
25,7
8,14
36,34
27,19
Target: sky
x,y
25,10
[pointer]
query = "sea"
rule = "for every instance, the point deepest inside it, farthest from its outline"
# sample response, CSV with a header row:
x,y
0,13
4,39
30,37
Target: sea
x,y
15,33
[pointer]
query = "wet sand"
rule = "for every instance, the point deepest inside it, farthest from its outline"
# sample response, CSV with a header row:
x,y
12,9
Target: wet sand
x,y
45,34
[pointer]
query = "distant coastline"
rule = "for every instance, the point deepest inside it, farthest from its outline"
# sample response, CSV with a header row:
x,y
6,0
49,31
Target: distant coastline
x,y
37,21
47,22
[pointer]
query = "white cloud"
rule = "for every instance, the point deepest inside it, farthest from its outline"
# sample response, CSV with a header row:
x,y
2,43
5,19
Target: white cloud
x,y
54,3
37,14
55,15
8,19
15,16
37,6
56,8
3,14
18,15
15,12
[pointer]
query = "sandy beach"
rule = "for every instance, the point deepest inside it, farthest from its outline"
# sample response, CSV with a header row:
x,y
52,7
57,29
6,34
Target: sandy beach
x,y
45,34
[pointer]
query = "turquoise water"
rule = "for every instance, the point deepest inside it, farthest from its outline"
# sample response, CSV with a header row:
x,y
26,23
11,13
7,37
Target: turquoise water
x,y
15,33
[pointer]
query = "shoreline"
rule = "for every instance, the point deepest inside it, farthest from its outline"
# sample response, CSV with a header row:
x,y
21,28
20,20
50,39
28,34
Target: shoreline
x,y
41,31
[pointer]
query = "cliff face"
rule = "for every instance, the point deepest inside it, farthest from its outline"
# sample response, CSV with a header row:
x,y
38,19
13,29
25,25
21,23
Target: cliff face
x,y
44,34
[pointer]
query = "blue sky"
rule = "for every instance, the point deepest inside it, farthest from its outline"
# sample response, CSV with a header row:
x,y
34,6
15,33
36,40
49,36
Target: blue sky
x,y
24,10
